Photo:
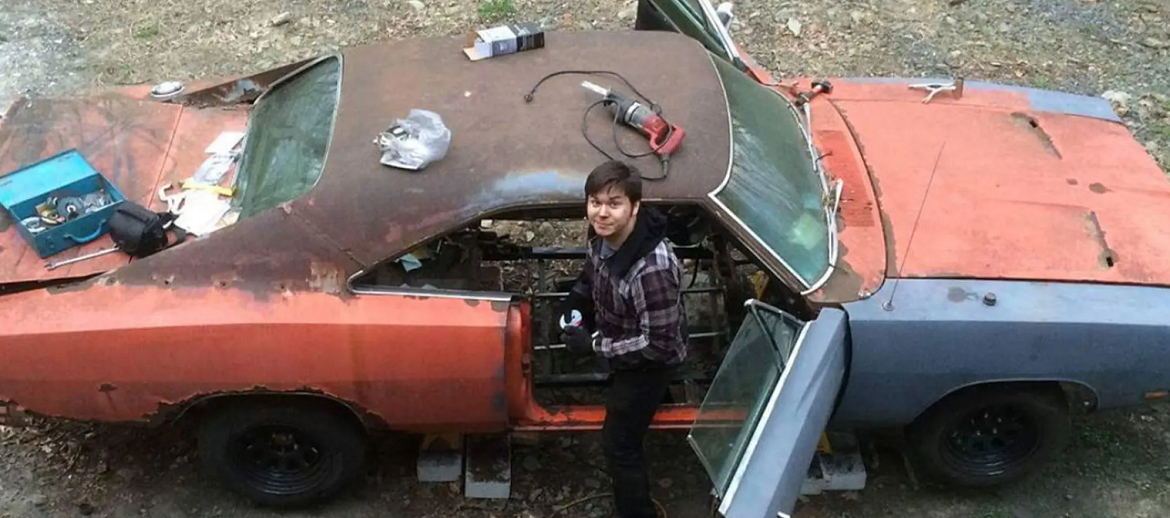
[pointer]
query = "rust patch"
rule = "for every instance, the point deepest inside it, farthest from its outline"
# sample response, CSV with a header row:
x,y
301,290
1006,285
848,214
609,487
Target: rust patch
x,y
844,284
500,306
1072,181
957,294
1107,258
107,387
324,277
1098,188
471,302
1032,125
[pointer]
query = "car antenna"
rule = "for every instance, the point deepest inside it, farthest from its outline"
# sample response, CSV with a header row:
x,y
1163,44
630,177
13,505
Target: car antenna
x,y
888,305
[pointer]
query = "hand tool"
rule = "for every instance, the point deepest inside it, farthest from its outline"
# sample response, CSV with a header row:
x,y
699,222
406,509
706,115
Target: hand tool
x,y
819,87
99,253
665,138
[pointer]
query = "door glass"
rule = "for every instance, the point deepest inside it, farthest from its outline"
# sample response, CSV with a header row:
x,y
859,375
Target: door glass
x,y
731,410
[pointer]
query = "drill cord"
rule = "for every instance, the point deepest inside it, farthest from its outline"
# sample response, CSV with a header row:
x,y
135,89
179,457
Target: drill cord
x,y
528,97
654,107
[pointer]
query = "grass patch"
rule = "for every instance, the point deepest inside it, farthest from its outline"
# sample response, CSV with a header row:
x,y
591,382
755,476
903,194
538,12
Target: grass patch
x,y
492,11
1042,82
146,31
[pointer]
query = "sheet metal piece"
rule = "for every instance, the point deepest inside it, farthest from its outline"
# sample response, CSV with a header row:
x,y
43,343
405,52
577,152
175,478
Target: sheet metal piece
x,y
164,348
942,335
1009,201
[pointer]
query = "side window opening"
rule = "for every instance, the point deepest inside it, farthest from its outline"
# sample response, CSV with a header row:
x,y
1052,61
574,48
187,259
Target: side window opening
x,y
536,257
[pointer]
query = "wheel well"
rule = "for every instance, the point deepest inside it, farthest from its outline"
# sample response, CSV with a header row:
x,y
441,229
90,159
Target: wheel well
x,y
1080,397
196,410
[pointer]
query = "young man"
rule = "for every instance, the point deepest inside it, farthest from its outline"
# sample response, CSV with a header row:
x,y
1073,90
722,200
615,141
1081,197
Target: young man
x,y
630,292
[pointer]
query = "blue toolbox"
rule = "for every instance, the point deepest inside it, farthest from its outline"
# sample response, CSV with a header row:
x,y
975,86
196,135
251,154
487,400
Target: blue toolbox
x,y
59,202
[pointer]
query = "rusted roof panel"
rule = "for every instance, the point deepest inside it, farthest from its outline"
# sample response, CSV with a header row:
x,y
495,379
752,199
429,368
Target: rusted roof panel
x,y
505,151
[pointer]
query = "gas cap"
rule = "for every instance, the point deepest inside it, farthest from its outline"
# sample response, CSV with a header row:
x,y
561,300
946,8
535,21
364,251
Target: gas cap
x,y
167,90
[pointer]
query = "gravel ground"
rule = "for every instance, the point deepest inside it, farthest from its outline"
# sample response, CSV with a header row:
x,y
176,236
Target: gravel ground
x,y
1116,466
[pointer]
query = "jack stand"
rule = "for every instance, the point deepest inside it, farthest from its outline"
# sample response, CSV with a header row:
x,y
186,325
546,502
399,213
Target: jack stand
x,y
440,458
840,469
489,466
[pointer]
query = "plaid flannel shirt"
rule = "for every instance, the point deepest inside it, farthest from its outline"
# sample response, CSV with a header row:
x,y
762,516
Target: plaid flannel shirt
x,y
640,316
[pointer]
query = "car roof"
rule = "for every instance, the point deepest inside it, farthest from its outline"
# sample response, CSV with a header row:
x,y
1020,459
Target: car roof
x,y
505,153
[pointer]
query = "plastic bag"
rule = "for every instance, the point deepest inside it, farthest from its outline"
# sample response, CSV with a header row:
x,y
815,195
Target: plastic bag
x,y
416,141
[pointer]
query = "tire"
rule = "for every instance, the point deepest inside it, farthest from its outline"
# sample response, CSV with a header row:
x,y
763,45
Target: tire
x,y
290,455
989,436
649,18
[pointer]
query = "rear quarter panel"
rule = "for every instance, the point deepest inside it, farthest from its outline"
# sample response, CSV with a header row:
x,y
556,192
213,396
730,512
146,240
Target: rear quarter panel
x,y
126,353
939,336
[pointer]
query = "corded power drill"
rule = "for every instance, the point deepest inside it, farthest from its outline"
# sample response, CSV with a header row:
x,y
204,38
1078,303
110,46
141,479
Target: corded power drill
x,y
665,138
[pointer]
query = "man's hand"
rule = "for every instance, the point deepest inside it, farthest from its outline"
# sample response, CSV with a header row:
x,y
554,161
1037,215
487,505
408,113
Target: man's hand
x,y
579,340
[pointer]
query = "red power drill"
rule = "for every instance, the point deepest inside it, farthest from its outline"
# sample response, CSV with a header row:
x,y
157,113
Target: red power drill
x,y
665,138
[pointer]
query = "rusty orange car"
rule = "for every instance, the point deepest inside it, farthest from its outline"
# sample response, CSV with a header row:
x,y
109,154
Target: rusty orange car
x,y
967,264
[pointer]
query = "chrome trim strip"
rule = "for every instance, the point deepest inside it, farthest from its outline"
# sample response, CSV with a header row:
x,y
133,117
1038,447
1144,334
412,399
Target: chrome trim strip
x,y
433,293
721,32
741,467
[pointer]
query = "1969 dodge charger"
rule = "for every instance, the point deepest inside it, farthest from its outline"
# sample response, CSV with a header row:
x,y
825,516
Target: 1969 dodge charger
x,y
967,271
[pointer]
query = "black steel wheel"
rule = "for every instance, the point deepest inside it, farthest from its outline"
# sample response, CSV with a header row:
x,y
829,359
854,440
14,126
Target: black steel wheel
x,y
282,456
987,436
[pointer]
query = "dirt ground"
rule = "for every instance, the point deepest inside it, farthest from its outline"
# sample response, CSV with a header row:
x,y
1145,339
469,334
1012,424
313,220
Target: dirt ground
x,y
1116,466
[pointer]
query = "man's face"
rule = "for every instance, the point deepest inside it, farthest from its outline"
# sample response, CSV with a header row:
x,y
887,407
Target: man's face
x,y
610,211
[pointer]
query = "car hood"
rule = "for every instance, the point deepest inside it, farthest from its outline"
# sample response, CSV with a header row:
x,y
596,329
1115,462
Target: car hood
x,y
139,145
1009,183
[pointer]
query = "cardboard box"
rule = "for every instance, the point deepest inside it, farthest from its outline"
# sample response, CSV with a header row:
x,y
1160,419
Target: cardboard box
x,y
505,39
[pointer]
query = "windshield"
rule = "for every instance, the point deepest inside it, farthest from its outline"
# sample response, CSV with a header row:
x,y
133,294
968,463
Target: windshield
x,y
774,189
288,136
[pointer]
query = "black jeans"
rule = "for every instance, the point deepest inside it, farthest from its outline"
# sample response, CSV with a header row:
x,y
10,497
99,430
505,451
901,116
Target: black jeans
x,y
632,401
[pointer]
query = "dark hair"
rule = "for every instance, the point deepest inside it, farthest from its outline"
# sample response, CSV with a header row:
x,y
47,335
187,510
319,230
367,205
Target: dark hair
x,y
613,173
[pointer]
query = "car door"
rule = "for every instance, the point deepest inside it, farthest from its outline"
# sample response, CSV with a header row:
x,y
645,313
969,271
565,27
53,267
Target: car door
x,y
758,427
698,19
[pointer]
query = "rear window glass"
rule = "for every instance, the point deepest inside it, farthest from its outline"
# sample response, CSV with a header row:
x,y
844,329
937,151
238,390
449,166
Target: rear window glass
x,y
288,137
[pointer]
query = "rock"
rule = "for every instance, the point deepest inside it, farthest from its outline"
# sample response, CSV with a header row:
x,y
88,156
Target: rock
x,y
1152,147
1155,43
858,16
584,25
304,21
665,483
865,47
1005,28
1119,100
39,500
592,483
794,26
103,468
529,235
417,5
535,494
530,463
951,20
281,19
